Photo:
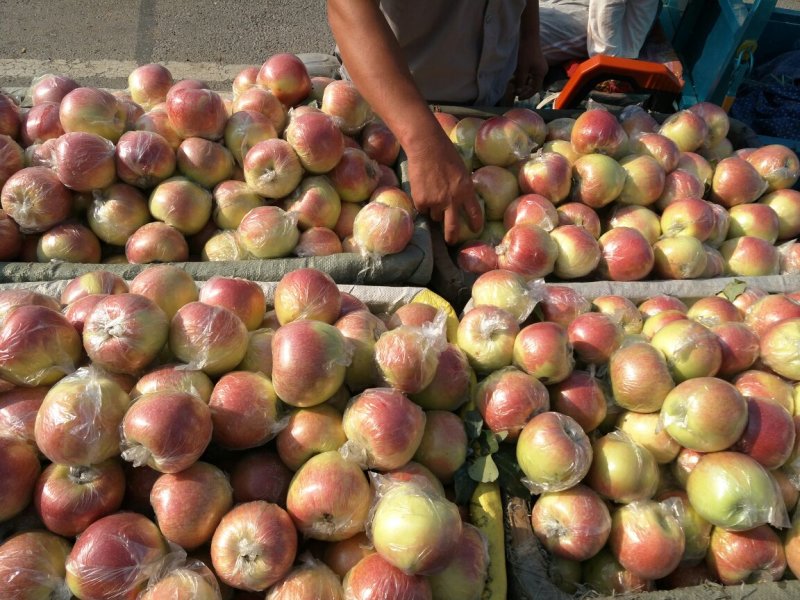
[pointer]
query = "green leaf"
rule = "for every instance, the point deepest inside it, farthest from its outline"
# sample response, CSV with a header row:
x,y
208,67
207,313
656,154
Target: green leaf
x,y
510,475
464,485
484,470
473,423
492,442
734,289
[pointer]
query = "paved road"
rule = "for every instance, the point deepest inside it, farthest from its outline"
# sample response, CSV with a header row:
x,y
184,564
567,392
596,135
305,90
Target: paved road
x,y
100,42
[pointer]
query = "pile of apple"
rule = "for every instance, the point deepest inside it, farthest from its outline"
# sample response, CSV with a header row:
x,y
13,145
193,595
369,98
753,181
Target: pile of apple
x,y
160,441
168,171
661,441
626,199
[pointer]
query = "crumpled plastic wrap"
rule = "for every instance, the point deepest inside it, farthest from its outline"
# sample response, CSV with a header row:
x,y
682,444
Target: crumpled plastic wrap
x,y
79,421
408,356
18,409
181,581
150,434
32,566
637,480
553,452
790,257
383,428
412,526
311,579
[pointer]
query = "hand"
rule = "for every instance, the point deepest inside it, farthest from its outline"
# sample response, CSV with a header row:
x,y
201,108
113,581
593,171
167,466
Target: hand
x,y
442,187
531,69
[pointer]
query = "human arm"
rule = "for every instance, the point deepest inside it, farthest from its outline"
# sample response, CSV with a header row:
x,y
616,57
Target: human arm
x,y
441,186
531,63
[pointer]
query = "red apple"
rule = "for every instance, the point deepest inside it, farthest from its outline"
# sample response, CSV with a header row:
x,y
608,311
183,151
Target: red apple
x,y
120,543
148,84
242,297
626,255
380,229
450,386
598,131
254,546
486,335
680,184
659,147
443,448
528,250
310,431
260,475
204,162
286,76
32,565
173,378
543,350
687,129
19,470
622,310
754,556
182,204
317,141
93,110
189,505
373,576
329,498
531,209
342,101
244,410
507,290
581,397
307,294
501,142
778,348
597,180
125,332
379,143
594,337
740,347
549,175
51,88
750,256
736,182
210,338
170,287
645,429
36,199
196,112
577,213
691,350
18,409
777,164
622,470
268,232
262,101
508,398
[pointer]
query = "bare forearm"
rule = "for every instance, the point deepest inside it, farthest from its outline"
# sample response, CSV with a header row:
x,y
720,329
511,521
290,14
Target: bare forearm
x,y
374,61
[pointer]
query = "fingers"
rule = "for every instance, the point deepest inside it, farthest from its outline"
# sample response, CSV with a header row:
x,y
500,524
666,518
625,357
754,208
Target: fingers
x,y
451,225
436,213
474,214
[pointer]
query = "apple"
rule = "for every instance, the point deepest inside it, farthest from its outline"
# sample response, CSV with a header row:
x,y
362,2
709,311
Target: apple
x,y
641,218
260,475
486,334
69,499
581,397
573,524
125,332
769,435
713,310
311,579
577,213
622,310
170,287
210,338
553,452
204,162
38,346
342,101
189,504
329,498
308,432
766,386
244,129
242,297
655,323
408,356
316,139
772,309
355,176
777,164
647,538
450,387
262,101
361,329
182,204
116,212
680,184
307,293
12,158
626,255
196,112
698,166
750,256
740,347
157,121
543,350
532,209
598,131
18,409
32,565
93,282
286,76
92,110
507,290
597,180
477,257
120,543
373,576
594,337
254,546
733,491
688,217
397,439
757,220
548,174
19,471
443,447
736,182
309,362
35,199
51,88
501,142
272,168
646,430
173,378
578,252
414,528
778,347
528,250
657,146
70,243
196,580
785,204
682,257
603,574
691,349
148,84
754,556
644,181
17,297
144,159
268,232
41,123
687,129
508,398
497,187
622,471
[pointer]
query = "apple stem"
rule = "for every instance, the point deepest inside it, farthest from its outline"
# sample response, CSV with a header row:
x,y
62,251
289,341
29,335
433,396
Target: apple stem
x,y
83,475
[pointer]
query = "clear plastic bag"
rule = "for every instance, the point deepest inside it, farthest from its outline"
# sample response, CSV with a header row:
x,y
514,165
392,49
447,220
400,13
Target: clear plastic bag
x,y
32,565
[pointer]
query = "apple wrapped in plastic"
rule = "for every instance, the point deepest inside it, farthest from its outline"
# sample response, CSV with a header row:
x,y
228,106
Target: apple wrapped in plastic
x,y
32,565
19,471
329,497
254,546
413,527
35,199
383,428
375,577
80,418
